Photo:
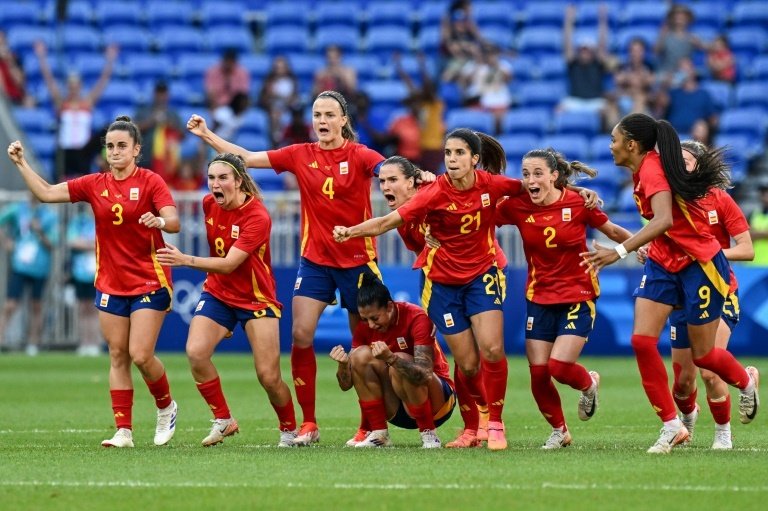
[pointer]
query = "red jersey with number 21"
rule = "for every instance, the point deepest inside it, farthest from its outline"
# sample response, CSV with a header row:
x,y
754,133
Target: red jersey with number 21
x,y
126,251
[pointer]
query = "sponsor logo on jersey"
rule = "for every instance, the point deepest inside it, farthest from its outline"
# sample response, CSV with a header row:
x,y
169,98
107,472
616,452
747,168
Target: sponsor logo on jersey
x,y
209,221
402,343
712,215
105,193
312,165
570,326
452,207
704,315
566,214
134,194
485,199
530,220
344,168
448,318
146,299
235,234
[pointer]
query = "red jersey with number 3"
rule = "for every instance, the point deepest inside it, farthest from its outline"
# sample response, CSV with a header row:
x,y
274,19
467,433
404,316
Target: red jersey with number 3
x,y
411,327
726,220
126,251
553,237
690,237
251,286
463,222
335,189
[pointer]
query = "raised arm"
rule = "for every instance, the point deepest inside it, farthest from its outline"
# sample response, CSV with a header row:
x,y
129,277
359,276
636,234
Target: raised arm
x,y
372,227
45,69
568,21
95,93
197,126
40,188
172,256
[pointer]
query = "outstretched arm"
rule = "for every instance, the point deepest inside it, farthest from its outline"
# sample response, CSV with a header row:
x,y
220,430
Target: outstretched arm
x,y
197,126
172,256
372,227
45,69
615,232
40,188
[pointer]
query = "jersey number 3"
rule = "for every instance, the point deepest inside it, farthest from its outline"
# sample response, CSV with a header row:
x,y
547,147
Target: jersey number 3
x,y
117,209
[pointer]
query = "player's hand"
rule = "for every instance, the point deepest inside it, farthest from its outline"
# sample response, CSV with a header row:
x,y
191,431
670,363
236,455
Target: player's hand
x,y
341,233
339,355
380,350
599,257
426,177
152,221
642,254
170,256
591,199
16,152
196,125
432,242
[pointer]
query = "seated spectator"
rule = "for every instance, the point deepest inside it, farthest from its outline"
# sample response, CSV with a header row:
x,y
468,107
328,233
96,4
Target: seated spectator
x,y
225,79
675,41
758,223
634,83
279,92
75,112
486,83
228,119
683,102
162,131
11,76
297,131
460,39
720,60
335,76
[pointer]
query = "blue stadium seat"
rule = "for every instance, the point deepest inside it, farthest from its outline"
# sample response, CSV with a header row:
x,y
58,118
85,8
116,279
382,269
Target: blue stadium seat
x,y
608,171
476,120
366,65
743,121
252,142
176,40
79,12
499,15
268,181
278,41
287,14
541,94
501,37
599,148
257,64
411,66
131,13
183,93
640,13
129,38
524,68
342,36
77,38
711,14
515,146
532,121
32,73
759,68
337,13
720,92
587,14
752,94
389,92
255,121
428,39
750,14
19,13
430,14
388,12
573,147
166,14
551,68
34,119
624,36
22,38
451,94
223,13
739,150
385,40
748,41
88,65
537,41
148,67
305,65
574,122
118,93
237,36
44,144
546,14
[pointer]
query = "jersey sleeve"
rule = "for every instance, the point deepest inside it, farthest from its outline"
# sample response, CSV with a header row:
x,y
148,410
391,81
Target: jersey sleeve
x,y
654,180
422,330
596,217
360,335
416,208
506,210
732,215
80,188
255,232
161,196
369,160
503,185
283,159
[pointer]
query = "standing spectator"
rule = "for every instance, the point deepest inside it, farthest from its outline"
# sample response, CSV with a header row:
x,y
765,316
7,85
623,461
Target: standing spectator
x,y
758,223
279,92
675,41
634,82
75,111
720,60
81,240
460,39
229,118
685,103
587,63
32,234
335,75
225,79
298,131
163,130
486,83
405,129
11,75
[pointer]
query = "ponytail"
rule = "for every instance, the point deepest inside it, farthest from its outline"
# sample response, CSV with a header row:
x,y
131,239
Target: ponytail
x,y
710,163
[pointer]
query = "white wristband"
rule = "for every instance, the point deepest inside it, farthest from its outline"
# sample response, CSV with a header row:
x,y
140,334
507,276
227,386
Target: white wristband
x,y
162,225
621,250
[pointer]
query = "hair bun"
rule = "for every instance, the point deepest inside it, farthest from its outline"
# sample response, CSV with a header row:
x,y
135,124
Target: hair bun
x,y
125,118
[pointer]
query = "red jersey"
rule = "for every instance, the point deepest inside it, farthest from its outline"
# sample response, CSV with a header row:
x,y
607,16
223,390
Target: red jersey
x,y
412,327
689,238
553,237
726,220
335,189
463,221
251,286
126,251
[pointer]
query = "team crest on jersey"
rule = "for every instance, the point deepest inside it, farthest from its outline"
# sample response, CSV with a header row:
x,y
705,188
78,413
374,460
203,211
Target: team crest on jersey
x,y
486,199
134,194
235,234
448,318
712,215
199,305
566,214
344,168
402,343
297,285
529,323
104,300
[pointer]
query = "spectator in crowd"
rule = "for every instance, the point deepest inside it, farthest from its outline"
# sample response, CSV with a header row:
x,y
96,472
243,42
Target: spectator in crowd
x,y
75,111
758,223
279,92
163,130
32,232
405,129
229,118
675,41
634,81
588,62
81,240
298,131
720,60
368,133
225,79
460,39
12,81
190,177
335,75
486,83
683,102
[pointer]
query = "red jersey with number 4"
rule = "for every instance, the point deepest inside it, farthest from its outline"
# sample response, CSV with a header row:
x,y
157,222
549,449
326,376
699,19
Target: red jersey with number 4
x,y
463,222
126,251
690,237
335,189
411,327
553,237
726,220
251,286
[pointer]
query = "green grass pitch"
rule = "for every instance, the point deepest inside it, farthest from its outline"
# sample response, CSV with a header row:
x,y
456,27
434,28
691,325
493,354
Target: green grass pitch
x,y
55,412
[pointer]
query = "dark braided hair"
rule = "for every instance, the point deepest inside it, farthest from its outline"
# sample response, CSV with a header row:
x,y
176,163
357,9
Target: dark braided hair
x,y
372,291
346,131
650,133
709,161
565,170
492,156
247,185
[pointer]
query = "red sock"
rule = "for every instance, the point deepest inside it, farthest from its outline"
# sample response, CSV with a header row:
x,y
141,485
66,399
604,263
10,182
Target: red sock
x,y
304,372
653,374
422,414
495,375
570,373
467,404
721,410
376,413
214,396
687,404
476,386
122,406
364,425
546,396
160,391
725,365
285,415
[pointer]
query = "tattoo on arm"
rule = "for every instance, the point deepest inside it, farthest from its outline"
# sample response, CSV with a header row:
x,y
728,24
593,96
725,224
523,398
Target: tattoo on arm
x,y
418,371
344,376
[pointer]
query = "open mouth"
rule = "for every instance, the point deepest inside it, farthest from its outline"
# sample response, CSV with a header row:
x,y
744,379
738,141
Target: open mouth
x,y
534,191
391,200
219,196
323,131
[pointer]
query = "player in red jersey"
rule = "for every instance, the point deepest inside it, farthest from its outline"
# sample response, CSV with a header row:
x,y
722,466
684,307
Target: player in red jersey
x,y
334,178
131,206
239,288
398,370
462,292
553,222
727,222
685,266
